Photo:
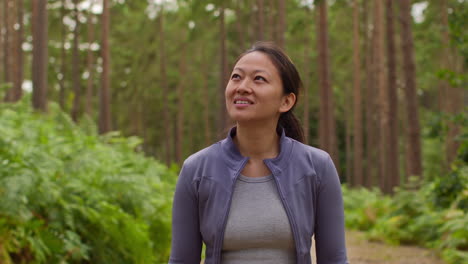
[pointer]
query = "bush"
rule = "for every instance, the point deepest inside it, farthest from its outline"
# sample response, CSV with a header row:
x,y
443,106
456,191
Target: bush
x,y
68,195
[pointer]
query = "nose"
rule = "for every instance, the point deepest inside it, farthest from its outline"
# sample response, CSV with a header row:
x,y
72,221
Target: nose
x,y
244,87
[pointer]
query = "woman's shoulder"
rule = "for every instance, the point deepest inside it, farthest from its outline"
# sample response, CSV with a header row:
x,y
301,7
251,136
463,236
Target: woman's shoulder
x,y
311,152
203,155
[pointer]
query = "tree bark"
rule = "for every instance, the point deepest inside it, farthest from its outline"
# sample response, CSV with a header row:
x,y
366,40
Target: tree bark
x,y
104,96
222,118
306,115
165,90
413,131
40,54
16,7
370,107
241,32
281,23
270,26
327,133
63,58
89,87
76,66
2,43
261,20
357,106
8,43
181,105
393,164
379,66
205,98
452,96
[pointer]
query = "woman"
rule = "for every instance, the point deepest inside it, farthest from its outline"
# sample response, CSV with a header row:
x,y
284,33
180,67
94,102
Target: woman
x,y
259,195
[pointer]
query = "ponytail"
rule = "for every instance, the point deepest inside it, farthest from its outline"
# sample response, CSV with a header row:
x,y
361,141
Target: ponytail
x,y
291,126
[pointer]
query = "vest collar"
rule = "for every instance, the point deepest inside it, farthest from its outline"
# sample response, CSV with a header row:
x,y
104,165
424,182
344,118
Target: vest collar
x,y
234,158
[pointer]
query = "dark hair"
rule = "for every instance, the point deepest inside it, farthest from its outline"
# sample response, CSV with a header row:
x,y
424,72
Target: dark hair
x,y
291,84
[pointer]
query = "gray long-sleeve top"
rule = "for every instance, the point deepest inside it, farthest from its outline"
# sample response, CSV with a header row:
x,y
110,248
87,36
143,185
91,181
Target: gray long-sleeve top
x,y
307,183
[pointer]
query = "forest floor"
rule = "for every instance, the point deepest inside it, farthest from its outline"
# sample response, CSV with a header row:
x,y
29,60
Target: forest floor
x,y
362,251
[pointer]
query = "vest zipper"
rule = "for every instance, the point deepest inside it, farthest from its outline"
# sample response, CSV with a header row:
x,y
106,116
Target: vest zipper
x,y
221,237
288,212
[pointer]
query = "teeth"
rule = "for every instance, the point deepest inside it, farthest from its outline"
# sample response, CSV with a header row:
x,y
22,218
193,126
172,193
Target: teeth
x,y
241,102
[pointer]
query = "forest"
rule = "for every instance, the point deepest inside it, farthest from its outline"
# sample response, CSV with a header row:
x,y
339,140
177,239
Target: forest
x,y
102,100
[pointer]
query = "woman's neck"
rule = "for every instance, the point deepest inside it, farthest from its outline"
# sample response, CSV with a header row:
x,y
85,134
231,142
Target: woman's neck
x,y
257,142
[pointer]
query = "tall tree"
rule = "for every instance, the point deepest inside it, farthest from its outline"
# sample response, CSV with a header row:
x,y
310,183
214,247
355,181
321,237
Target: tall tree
x,y
181,104
241,32
392,153
16,50
327,133
76,65
306,115
7,43
104,96
90,62
2,52
40,54
271,12
281,23
379,66
413,156
165,90
261,20
357,106
370,102
63,58
205,98
452,96
222,117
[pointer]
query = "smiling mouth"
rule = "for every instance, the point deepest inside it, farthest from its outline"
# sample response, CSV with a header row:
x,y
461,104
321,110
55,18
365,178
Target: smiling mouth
x,y
242,102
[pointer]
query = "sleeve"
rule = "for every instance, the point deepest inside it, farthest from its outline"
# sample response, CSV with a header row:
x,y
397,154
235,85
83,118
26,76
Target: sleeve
x,y
329,227
186,238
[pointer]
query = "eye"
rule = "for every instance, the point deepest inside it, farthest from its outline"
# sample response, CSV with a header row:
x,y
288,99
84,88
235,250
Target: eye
x,y
235,76
260,78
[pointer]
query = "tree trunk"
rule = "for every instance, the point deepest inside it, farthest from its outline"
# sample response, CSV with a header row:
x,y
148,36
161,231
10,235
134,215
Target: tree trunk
x,y
104,96
281,23
2,43
370,108
222,118
270,26
453,95
181,105
327,128
357,106
379,66
40,54
89,87
261,20
63,58
205,98
393,164
165,90
241,32
413,132
76,66
306,99
8,44
17,63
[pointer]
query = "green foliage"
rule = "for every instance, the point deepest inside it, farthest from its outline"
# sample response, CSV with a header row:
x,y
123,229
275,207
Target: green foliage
x,y
431,213
68,195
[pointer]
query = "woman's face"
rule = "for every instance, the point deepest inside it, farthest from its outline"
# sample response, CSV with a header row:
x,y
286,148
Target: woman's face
x,y
255,90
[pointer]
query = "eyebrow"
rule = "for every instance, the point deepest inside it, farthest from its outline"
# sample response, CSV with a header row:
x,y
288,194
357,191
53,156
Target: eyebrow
x,y
255,71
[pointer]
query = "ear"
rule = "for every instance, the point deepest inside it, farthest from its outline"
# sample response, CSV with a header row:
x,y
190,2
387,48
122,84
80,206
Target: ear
x,y
287,102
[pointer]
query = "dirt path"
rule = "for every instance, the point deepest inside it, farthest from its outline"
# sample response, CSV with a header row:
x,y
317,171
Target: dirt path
x,y
361,251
